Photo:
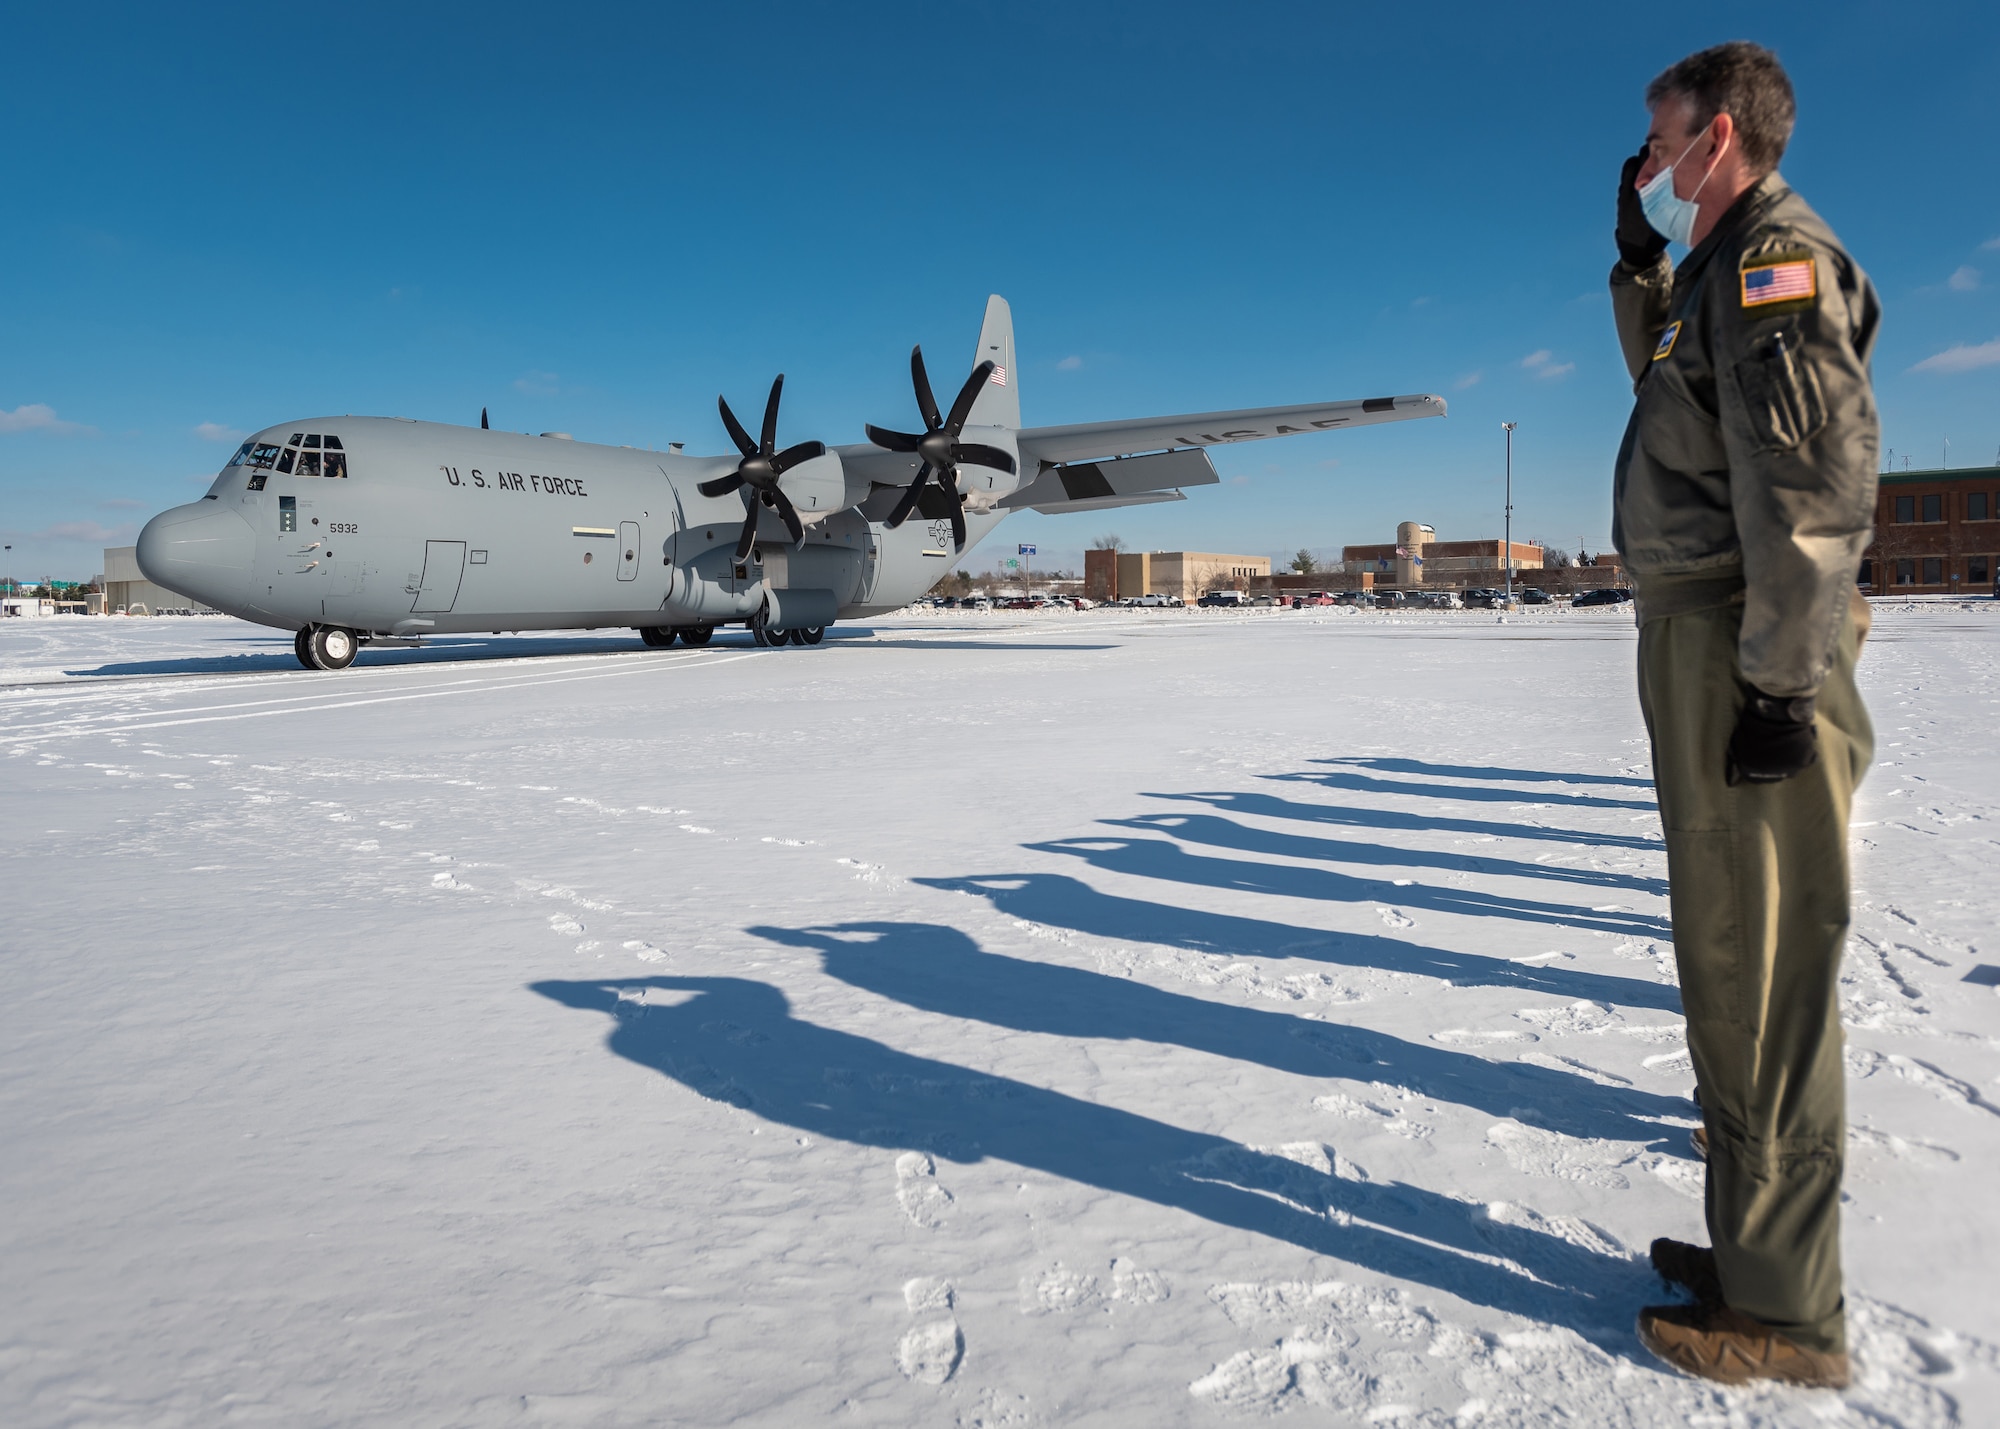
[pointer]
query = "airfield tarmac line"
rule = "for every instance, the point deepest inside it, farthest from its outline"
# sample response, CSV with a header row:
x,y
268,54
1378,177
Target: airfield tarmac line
x,y
457,687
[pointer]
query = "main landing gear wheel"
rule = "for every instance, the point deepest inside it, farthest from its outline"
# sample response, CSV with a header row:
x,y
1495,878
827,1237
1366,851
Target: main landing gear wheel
x,y
811,635
798,637
302,647
765,635
657,637
696,635
334,647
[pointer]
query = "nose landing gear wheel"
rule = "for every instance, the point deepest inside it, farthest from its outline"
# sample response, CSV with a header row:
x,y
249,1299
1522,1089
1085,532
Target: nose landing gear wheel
x,y
334,647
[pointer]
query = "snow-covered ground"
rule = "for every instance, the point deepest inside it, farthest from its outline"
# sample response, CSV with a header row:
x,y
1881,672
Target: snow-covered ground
x,y
1126,1018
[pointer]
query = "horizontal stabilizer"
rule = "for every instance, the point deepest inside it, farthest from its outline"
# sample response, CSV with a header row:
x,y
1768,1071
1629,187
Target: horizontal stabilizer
x,y
1207,429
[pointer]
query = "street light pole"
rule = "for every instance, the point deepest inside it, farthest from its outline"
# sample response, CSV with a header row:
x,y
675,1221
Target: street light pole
x,y
1508,556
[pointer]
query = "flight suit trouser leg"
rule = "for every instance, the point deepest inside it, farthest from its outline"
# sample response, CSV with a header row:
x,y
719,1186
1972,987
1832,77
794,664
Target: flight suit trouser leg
x,y
1758,879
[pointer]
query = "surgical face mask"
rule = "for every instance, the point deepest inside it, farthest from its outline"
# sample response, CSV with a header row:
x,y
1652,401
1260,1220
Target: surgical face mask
x,y
1671,215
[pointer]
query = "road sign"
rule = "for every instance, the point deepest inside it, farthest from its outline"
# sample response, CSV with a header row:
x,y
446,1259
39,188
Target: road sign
x,y
1024,551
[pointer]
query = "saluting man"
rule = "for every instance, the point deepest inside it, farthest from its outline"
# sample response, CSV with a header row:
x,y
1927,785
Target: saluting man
x,y
1745,489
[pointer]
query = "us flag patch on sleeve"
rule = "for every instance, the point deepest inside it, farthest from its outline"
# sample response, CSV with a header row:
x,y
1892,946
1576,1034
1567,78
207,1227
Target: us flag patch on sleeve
x,y
1780,278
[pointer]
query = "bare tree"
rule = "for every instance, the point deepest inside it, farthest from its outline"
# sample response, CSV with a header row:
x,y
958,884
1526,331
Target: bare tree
x,y
1555,558
1108,542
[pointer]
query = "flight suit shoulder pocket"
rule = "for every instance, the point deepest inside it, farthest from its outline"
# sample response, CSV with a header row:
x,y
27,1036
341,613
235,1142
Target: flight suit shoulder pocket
x,y
1782,397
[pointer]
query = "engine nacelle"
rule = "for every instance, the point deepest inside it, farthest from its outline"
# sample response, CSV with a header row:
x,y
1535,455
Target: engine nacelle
x,y
985,487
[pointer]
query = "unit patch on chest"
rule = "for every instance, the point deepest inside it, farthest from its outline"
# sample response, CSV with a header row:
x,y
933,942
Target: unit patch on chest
x,y
1780,280
1667,339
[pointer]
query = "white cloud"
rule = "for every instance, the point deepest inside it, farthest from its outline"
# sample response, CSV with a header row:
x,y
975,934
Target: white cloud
x,y
121,503
1537,358
1070,363
1991,245
537,384
1962,358
1557,369
1964,280
1543,364
37,417
1471,379
216,432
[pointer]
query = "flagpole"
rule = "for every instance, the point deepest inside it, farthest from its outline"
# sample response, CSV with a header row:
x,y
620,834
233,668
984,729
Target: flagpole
x,y
1507,557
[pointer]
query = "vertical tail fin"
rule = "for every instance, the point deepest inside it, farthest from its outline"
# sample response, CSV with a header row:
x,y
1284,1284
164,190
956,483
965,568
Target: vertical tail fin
x,y
999,404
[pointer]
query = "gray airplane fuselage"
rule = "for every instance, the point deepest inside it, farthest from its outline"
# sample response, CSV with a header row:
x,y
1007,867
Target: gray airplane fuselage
x,y
436,529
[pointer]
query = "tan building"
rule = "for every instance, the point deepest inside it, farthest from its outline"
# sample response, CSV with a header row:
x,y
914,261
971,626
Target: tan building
x,y
128,592
1184,575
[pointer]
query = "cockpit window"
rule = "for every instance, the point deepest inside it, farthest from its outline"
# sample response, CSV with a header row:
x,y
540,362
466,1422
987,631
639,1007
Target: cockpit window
x,y
333,444
297,437
308,464
336,463
312,440
242,454
285,460
264,456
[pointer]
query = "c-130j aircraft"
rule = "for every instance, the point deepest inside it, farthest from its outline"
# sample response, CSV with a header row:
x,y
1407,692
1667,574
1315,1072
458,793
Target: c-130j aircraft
x,y
359,530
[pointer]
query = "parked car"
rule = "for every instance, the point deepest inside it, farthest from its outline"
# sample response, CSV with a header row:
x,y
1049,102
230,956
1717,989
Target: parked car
x,y
1607,595
1480,598
1358,598
1391,599
1265,600
1216,599
1312,597
1535,595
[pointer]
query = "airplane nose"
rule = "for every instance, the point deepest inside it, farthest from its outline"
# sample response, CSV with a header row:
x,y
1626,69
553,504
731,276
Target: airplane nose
x,y
201,550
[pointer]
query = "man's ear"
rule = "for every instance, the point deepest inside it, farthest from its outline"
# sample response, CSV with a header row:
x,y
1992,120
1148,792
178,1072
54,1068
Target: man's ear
x,y
1722,136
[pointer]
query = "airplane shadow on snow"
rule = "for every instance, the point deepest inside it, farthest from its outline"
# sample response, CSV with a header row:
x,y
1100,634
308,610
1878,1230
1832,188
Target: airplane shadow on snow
x,y
735,1040
1396,820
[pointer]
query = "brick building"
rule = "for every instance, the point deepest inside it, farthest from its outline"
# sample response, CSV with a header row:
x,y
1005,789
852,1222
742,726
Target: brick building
x,y
1936,533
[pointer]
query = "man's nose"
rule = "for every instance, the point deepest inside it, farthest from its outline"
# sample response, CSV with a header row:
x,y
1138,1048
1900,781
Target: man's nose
x,y
202,550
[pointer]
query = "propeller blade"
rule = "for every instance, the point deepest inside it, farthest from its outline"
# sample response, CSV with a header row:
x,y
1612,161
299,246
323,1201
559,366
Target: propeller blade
x,y
926,403
967,395
736,432
720,485
948,483
748,539
909,501
893,441
788,514
770,442
482,421
790,457
980,455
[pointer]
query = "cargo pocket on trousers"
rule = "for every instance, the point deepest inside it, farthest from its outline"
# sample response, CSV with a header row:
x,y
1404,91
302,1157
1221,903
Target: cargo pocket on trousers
x,y
1781,395
1708,933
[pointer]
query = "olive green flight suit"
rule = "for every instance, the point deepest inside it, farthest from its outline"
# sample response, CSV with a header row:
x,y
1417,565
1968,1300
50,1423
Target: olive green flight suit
x,y
1745,493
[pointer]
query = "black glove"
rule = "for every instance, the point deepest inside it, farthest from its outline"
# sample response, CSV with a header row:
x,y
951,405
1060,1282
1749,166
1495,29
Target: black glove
x,y
1639,243
1774,738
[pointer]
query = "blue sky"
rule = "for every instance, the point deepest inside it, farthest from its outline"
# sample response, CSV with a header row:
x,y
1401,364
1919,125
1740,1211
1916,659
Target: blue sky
x,y
594,218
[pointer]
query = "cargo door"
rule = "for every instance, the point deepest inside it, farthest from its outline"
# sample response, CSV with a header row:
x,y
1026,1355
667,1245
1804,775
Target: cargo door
x,y
628,550
437,587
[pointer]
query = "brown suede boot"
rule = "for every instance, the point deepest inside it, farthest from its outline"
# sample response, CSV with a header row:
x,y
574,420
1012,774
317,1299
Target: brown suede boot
x,y
1718,1343
1690,1266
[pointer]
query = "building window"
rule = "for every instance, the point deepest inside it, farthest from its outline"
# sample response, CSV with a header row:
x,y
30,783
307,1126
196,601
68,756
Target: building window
x,y
1906,510
1866,575
1933,570
1978,570
1906,573
1975,506
1934,507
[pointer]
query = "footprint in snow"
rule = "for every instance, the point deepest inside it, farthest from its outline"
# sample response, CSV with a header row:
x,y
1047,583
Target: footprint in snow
x,y
645,952
564,925
923,1200
1395,919
931,1349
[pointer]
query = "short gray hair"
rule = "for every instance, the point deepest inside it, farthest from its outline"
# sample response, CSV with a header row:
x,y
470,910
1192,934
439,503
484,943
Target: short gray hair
x,y
1744,81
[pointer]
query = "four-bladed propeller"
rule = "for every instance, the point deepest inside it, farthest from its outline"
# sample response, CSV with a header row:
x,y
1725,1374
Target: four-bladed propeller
x,y
939,447
757,474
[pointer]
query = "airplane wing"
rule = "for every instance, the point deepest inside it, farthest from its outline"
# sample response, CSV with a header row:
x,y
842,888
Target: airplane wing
x,y
1089,440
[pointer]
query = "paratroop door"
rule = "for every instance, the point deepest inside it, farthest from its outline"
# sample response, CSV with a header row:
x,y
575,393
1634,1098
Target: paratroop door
x,y
444,568
628,550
